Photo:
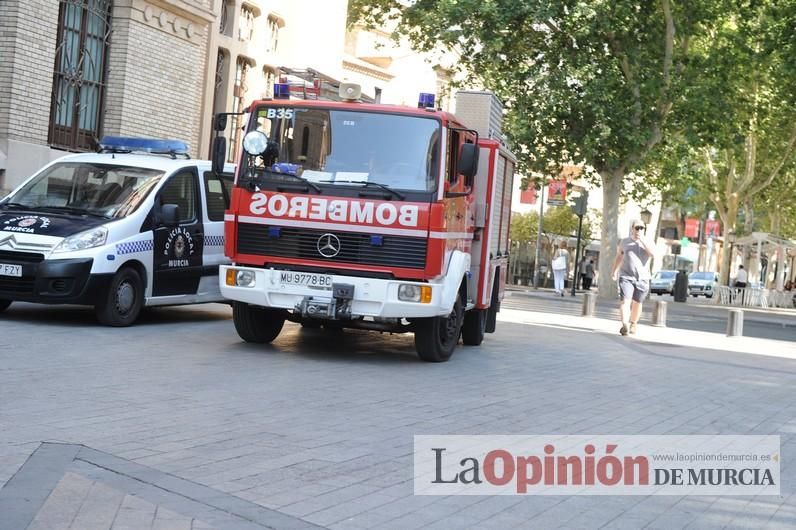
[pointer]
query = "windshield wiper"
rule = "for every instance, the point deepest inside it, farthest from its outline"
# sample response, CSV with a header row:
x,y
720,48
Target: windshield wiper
x,y
367,183
312,185
16,206
72,209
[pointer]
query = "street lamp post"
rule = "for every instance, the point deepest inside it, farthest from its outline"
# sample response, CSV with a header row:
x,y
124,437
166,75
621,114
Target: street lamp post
x,y
646,216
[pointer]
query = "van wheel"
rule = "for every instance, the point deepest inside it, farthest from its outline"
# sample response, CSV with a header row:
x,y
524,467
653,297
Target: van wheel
x,y
122,303
474,327
257,324
437,337
4,305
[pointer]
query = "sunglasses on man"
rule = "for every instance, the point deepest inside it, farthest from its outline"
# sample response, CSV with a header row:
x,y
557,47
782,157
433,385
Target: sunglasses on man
x,y
640,227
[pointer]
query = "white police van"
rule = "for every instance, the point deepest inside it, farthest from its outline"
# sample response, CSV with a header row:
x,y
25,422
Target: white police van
x,y
117,230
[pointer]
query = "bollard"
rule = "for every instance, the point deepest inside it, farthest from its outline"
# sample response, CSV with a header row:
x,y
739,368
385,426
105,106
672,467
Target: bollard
x,y
588,304
735,323
659,314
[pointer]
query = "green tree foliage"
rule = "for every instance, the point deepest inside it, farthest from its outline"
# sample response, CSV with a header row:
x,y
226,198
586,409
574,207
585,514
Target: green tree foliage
x,y
524,227
586,82
736,123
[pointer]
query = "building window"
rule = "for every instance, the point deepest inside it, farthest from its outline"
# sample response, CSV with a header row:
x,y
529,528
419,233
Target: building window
x,y
225,18
246,23
273,35
269,76
242,67
78,99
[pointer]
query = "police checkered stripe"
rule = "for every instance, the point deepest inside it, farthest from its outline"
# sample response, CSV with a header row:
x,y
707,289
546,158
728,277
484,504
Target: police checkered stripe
x,y
131,247
214,241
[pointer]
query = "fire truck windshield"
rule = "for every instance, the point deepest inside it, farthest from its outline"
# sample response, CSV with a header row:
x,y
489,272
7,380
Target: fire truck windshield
x,y
341,147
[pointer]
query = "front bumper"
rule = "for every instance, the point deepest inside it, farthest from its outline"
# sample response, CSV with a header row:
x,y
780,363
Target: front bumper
x,y
64,281
371,297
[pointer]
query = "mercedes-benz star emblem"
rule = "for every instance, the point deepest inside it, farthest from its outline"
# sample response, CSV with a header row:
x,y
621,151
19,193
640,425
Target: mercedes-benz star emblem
x,y
328,245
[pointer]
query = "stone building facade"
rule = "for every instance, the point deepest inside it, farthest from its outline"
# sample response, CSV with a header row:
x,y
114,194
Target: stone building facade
x,y
72,71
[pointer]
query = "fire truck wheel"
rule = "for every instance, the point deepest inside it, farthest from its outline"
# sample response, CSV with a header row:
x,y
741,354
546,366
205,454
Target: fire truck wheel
x,y
474,327
257,324
4,305
437,337
120,306
311,324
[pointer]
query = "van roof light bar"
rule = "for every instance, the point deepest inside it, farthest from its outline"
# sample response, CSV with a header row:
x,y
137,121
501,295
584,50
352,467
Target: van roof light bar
x,y
123,144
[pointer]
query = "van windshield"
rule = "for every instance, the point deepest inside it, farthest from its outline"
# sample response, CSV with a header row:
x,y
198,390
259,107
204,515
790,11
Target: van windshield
x,y
86,189
665,275
334,147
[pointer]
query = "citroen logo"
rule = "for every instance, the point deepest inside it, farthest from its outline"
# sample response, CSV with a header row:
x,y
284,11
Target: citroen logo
x,y
10,241
328,245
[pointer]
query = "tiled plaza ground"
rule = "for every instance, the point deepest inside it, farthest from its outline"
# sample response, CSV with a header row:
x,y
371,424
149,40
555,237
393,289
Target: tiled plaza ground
x,y
318,427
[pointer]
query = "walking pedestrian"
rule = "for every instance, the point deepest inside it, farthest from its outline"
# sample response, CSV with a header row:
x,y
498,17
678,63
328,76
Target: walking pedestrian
x,y
560,267
588,275
631,270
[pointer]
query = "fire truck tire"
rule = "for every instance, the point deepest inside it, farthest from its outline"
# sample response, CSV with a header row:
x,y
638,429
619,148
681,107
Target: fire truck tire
x,y
121,305
257,324
474,327
311,324
4,305
437,337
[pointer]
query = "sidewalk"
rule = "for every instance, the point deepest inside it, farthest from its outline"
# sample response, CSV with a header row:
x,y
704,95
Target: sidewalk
x,y
784,317
547,312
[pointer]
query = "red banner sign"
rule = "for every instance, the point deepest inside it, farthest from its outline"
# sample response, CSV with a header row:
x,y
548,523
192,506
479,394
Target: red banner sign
x,y
557,192
692,228
712,228
528,196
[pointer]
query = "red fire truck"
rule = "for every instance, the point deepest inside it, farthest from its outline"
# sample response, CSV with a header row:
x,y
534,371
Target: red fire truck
x,y
356,215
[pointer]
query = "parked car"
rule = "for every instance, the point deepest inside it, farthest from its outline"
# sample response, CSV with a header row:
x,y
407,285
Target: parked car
x,y
663,282
116,230
703,284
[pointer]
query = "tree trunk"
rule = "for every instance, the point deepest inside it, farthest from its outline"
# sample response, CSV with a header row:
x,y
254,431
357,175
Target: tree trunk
x,y
612,186
729,227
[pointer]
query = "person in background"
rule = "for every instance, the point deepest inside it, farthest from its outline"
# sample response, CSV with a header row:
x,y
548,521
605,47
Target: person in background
x,y
560,267
588,276
631,270
741,278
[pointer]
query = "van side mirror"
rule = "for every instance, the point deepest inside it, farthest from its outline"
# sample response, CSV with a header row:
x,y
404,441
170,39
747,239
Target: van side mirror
x,y
468,162
220,123
170,215
219,154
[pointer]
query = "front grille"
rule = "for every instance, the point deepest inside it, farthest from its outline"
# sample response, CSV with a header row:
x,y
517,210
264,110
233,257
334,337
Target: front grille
x,y
395,251
20,257
23,285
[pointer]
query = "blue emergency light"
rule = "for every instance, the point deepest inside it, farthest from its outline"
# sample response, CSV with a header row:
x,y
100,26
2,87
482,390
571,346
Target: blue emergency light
x,y
281,91
377,241
426,101
123,144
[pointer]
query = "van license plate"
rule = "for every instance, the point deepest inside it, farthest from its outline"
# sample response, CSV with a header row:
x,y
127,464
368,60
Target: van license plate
x,y
7,269
306,279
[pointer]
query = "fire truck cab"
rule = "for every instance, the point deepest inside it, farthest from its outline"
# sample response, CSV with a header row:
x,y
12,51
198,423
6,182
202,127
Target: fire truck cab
x,y
370,216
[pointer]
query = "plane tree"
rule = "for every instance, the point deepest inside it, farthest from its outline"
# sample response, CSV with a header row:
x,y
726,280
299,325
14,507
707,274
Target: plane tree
x,y
590,83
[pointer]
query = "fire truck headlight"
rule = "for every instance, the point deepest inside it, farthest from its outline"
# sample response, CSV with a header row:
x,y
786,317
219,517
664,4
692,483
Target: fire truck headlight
x,y
414,293
255,143
239,278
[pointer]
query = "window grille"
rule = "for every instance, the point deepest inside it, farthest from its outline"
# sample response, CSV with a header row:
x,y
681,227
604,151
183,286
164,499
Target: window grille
x,y
79,73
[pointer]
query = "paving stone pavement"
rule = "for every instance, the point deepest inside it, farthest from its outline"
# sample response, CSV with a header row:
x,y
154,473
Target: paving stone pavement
x,y
318,428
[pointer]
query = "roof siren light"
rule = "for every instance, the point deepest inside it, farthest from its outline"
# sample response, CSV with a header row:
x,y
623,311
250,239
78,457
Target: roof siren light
x,y
425,101
281,91
350,91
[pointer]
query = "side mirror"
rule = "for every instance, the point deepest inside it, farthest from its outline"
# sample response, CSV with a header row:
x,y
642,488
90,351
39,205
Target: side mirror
x,y
170,214
220,123
219,154
468,162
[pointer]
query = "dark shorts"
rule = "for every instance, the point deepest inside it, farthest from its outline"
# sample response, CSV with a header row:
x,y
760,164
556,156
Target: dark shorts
x,y
632,288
